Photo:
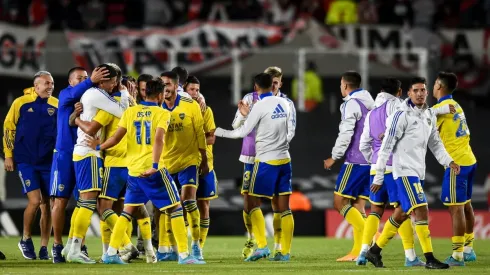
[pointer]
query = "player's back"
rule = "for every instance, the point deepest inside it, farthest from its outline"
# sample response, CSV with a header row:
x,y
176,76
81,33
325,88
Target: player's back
x,y
454,133
141,122
271,132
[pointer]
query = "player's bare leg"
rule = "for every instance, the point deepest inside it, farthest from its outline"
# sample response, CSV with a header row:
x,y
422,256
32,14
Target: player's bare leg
x,y
469,253
286,228
276,224
45,226
58,219
459,227
25,245
248,249
354,217
190,205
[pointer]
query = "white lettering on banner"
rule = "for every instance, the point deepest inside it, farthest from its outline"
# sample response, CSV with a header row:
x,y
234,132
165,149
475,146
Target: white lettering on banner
x,y
146,50
21,49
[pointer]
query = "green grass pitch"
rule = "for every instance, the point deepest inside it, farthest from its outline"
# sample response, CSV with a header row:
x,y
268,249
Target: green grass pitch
x,y
310,256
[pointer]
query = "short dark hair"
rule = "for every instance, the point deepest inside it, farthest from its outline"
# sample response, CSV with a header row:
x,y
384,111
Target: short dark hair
x,y
154,87
417,80
192,79
391,85
144,78
352,78
263,81
183,74
448,80
127,78
72,70
172,75
111,69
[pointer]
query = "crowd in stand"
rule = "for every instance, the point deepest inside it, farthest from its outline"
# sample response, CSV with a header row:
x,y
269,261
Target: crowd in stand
x,y
103,14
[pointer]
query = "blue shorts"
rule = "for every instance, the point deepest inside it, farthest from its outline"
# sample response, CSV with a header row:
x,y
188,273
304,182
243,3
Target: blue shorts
x,y
410,193
457,189
247,173
34,177
353,181
208,187
89,172
271,180
387,193
159,188
189,176
114,182
63,180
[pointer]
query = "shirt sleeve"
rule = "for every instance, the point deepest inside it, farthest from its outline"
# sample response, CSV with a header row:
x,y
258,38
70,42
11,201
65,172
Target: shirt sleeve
x,y
184,94
396,125
198,123
439,109
239,118
437,147
125,98
76,92
242,131
209,124
103,117
164,120
123,123
10,127
365,145
291,120
104,101
351,112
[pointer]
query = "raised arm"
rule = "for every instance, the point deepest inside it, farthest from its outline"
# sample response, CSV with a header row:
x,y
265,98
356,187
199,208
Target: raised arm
x,y
365,145
239,117
241,132
437,147
103,101
351,112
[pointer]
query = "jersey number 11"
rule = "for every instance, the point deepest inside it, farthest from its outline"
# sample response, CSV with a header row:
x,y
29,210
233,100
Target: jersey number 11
x,y
147,128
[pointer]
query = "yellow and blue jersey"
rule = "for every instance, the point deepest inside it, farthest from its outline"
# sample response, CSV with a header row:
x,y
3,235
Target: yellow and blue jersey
x,y
185,135
454,132
141,122
115,156
30,129
209,126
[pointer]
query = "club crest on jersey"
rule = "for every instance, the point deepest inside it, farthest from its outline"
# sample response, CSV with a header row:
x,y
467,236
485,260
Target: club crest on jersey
x,y
51,111
182,116
61,187
429,121
28,183
421,196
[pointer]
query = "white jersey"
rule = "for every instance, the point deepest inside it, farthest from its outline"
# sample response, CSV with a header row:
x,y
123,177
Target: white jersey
x,y
93,100
271,119
409,132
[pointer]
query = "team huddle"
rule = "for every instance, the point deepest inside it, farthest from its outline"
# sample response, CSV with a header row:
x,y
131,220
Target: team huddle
x,y
123,146
384,143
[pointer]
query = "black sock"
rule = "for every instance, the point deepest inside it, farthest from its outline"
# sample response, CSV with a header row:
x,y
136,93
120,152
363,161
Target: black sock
x,y
375,249
429,256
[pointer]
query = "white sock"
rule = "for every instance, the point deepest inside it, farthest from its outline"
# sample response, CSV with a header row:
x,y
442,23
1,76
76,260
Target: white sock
x,y
468,249
111,251
105,246
174,249
69,242
277,246
458,255
184,255
364,247
195,243
76,246
163,249
148,245
410,254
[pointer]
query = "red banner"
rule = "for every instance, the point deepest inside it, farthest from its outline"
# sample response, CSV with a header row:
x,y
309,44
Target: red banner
x,y
439,224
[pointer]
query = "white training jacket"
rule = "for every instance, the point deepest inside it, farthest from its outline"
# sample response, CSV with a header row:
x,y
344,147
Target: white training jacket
x,y
93,100
271,117
409,132
351,113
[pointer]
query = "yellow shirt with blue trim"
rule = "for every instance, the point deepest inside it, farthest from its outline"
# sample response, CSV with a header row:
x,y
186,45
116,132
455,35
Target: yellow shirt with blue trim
x,y
115,156
141,122
454,133
209,126
185,135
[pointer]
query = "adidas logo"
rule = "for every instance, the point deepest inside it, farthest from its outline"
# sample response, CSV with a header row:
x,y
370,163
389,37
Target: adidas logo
x,y
212,193
446,199
191,180
278,112
30,110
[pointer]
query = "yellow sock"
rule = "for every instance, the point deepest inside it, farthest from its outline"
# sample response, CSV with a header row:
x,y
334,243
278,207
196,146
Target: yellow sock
x,y
72,220
458,247
178,228
354,218
287,225
193,217
163,240
468,239
110,217
423,233
276,224
168,226
389,231
370,228
105,233
83,218
129,231
258,226
145,229
203,231
406,234
248,224
119,230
